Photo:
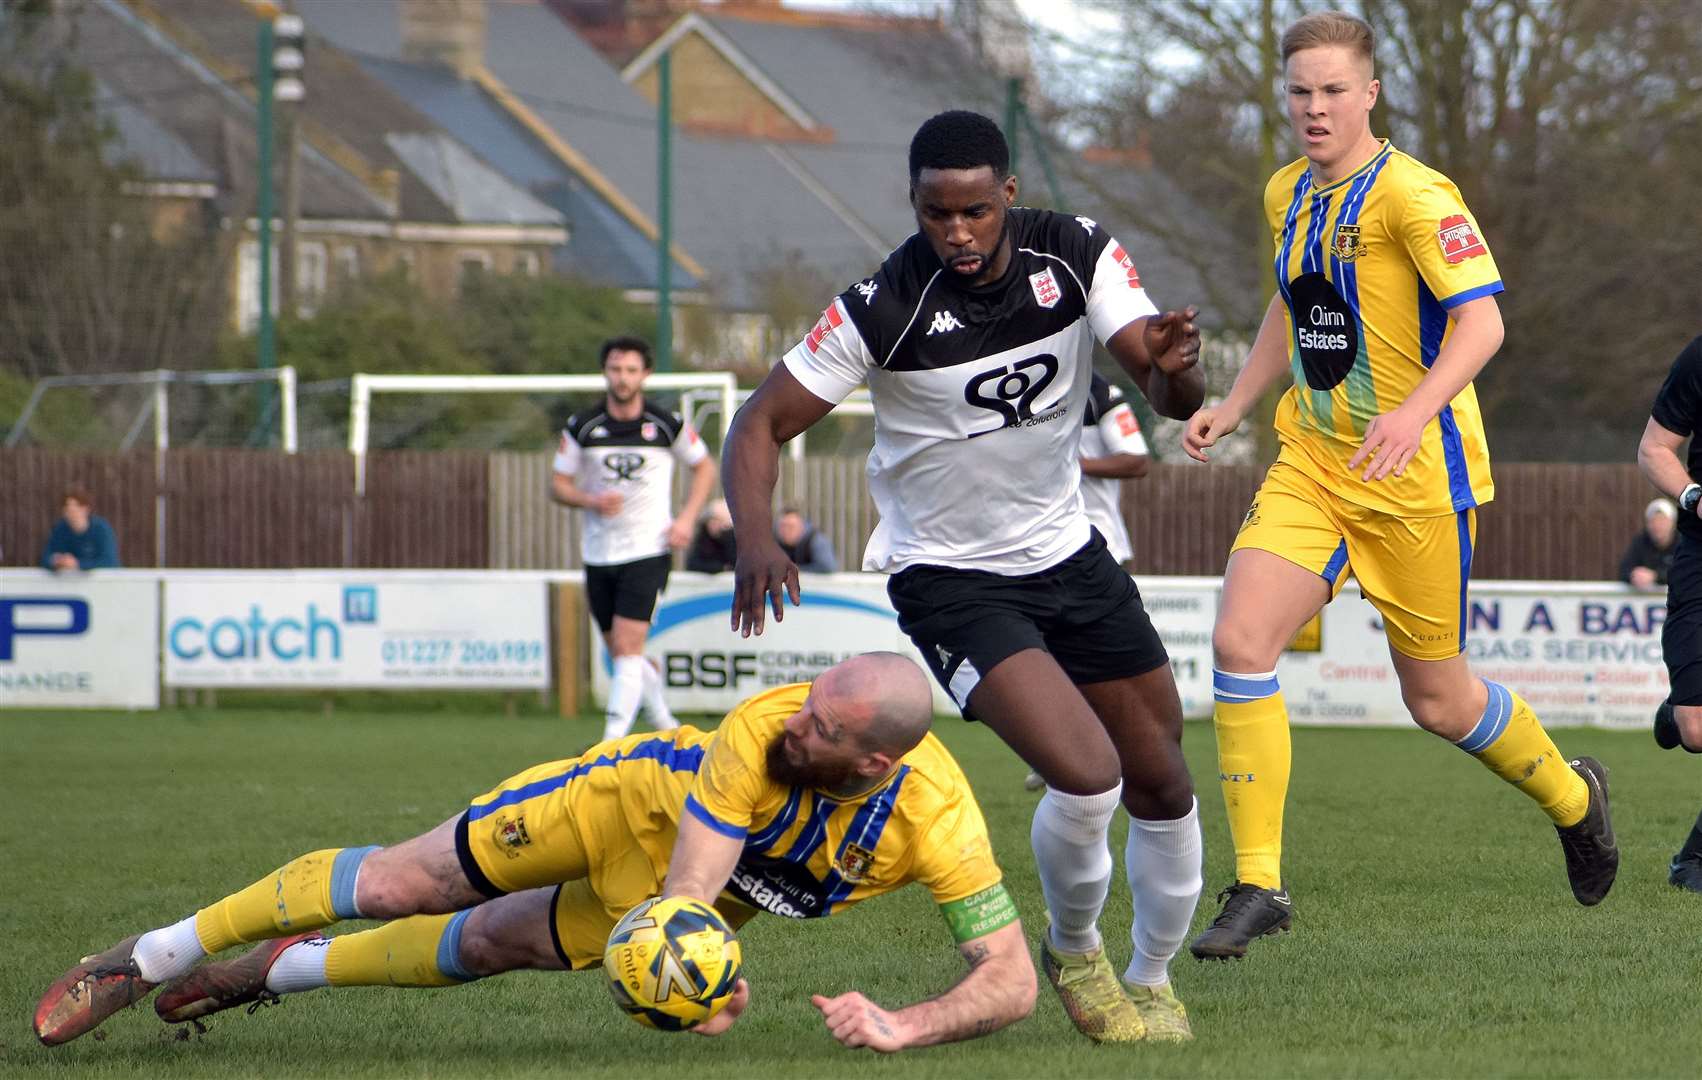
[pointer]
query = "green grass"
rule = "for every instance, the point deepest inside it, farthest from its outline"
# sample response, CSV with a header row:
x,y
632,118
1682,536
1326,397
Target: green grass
x,y
1434,935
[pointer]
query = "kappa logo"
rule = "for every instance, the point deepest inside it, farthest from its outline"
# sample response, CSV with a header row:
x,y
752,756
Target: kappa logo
x,y
1458,239
944,323
945,657
1087,224
866,289
599,432
1045,286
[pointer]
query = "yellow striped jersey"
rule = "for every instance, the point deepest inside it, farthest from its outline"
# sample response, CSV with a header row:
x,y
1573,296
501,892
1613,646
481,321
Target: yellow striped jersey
x,y
1368,268
808,854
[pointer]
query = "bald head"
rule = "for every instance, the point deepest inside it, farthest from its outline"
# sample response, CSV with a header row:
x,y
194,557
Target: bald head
x,y
884,699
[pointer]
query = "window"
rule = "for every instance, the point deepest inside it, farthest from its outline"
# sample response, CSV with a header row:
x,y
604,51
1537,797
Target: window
x,y
526,262
348,263
471,262
248,285
310,267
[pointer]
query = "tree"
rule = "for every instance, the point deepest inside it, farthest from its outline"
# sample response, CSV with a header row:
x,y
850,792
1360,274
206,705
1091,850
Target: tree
x,y
89,282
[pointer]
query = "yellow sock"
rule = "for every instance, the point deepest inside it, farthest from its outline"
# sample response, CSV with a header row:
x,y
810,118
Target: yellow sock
x,y
1253,757
307,893
420,951
1511,743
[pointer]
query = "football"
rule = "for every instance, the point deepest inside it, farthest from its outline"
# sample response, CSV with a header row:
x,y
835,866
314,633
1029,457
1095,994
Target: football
x,y
672,963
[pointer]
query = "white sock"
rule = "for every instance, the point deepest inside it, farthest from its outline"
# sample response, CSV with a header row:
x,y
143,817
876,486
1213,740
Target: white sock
x,y
299,967
1163,861
655,704
1074,862
626,689
170,951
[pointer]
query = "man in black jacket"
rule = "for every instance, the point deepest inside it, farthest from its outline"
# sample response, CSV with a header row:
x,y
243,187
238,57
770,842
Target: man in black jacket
x,y
1649,557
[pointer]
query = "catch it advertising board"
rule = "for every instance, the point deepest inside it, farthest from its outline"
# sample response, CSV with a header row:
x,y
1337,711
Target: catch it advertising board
x,y
77,641
707,668
355,630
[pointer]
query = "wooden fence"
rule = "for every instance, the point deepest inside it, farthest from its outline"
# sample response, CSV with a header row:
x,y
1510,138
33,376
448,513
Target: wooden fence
x,y
253,508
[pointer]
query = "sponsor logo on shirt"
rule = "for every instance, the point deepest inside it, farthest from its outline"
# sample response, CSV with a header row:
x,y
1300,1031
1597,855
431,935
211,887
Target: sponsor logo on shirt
x,y
1126,422
1347,244
829,321
1459,241
1045,288
1128,266
944,323
624,466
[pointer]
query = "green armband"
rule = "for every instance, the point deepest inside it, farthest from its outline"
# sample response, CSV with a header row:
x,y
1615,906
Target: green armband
x,y
979,915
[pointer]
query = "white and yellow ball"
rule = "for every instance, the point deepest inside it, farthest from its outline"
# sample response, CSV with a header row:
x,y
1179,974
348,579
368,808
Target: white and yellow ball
x,y
672,963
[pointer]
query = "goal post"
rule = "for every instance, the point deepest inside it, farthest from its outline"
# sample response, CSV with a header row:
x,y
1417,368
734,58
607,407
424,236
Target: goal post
x,y
363,386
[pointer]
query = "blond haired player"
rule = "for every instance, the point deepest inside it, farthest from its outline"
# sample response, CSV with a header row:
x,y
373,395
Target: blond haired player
x,y
1385,312
805,801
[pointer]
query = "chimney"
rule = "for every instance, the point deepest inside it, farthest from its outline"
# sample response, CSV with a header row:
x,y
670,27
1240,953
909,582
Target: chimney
x,y
450,33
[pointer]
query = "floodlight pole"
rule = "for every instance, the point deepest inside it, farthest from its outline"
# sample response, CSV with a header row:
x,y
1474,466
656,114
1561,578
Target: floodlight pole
x,y
1013,108
664,214
267,332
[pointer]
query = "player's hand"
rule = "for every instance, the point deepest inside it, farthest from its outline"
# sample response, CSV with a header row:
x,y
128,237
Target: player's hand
x,y
607,503
763,575
1172,340
1391,440
679,533
1642,578
856,1021
724,1019
1206,427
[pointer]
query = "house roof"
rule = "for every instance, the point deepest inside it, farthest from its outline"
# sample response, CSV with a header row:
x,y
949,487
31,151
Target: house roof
x,y
147,144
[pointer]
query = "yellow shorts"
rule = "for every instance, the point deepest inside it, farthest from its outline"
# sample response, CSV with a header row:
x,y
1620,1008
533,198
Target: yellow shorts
x,y
1414,571
560,824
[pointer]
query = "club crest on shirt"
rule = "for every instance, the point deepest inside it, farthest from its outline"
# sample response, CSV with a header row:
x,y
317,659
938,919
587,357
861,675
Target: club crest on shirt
x,y
1045,286
647,431
1347,244
1459,240
511,835
854,863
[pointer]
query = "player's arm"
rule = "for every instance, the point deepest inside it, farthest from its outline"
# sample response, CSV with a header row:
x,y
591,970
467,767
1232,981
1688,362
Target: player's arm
x,y
703,859
1657,456
1125,456
702,483
1267,363
1116,466
1162,353
1392,438
779,410
997,990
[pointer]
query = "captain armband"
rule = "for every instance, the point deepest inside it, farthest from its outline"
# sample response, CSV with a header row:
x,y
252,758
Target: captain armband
x,y
979,915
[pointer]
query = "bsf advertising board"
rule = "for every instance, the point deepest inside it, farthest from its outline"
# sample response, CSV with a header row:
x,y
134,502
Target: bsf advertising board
x,y
78,641
347,630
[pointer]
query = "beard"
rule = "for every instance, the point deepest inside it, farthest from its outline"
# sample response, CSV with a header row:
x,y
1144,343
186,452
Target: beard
x,y
825,777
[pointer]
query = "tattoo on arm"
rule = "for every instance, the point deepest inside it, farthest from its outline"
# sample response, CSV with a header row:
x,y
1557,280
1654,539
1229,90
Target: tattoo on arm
x,y
880,1022
977,954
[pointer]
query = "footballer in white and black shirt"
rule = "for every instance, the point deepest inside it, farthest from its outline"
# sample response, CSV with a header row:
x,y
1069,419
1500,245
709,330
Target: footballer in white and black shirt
x,y
1112,450
616,461
975,338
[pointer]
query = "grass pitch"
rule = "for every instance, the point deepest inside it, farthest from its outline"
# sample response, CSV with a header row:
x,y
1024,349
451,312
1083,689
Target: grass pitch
x,y
1434,932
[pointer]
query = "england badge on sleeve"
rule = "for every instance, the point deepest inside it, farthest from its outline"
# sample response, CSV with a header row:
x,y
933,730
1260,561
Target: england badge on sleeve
x,y
1045,288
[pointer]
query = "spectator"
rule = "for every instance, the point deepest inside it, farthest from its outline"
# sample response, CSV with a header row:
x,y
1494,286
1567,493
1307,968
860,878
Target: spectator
x,y
81,539
712,549
812,551
1649,557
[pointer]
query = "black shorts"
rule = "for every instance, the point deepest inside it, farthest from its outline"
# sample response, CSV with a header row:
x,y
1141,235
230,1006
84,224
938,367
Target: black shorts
x,y
626,589
1085,611
1681,634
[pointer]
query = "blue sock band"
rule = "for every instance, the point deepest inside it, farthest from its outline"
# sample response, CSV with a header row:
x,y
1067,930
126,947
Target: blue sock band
x,y
1232,688
449,948
345,868
1496,713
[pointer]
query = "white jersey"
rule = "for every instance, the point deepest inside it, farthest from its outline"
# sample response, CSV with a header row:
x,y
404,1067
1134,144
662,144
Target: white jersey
x,y
978,392
1108,426
635,458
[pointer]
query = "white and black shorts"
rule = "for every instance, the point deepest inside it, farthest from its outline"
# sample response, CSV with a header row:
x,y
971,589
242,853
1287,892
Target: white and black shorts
x,y
626,589
1086,612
